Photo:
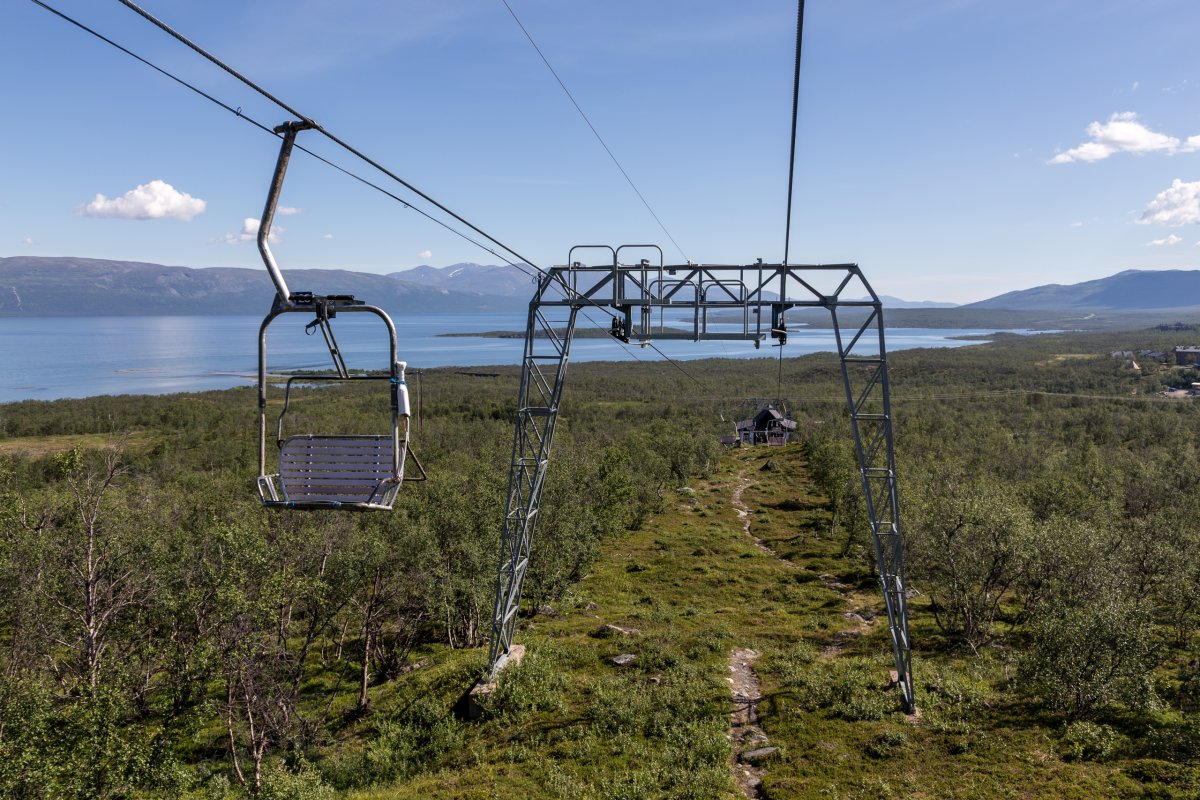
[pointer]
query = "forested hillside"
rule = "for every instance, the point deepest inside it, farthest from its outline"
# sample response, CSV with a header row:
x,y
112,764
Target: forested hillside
x,y
163,636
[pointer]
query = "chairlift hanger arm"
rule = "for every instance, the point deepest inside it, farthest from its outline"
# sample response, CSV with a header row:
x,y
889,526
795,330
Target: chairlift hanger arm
x,y
288,131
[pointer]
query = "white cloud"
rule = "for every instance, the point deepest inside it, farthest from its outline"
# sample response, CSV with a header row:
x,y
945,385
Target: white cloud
x,y
425,254
1122,134
327,236
1135,86
287,211
27,240
1168,241
154,200
249,233
1076,224
1178,205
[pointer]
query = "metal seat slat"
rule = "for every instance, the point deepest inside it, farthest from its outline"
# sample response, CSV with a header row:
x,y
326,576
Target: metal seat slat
x,y
337,458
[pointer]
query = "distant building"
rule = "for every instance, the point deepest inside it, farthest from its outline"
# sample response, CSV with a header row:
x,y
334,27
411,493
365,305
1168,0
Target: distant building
x,y
769,426
1187,356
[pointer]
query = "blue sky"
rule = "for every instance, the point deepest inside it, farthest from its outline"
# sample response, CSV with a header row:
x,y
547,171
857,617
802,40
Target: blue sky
x,y
955,149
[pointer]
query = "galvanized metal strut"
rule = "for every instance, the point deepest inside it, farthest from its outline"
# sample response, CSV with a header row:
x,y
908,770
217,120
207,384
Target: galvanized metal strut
x,y
729,302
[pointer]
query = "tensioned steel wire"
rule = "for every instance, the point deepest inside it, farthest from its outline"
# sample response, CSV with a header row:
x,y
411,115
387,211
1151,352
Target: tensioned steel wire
x,y
520,265
787,232
787,236
237,112
378,166
595,132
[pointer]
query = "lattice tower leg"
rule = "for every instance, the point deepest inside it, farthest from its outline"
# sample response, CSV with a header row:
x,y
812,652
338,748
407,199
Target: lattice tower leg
x,y
543,372
863,359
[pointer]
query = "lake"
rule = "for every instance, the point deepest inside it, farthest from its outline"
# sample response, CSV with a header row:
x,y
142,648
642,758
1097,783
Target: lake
x,y
56,357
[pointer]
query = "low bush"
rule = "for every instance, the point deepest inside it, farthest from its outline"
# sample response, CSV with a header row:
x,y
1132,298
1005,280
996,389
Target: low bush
x,y
404,745
530,687
1176,738
300,781
1089,741
848,688
886,744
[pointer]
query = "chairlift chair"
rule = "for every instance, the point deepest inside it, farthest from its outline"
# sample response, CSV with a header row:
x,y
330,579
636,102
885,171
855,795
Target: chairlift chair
x,y
361,472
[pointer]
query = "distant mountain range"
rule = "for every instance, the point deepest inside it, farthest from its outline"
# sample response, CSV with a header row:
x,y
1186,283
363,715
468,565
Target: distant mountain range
x,y
35,286
1128,290
506,281
895,302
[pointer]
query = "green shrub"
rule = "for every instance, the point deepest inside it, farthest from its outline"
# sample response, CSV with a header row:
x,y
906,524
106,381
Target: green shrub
x,y
527,688
697,745
1089,741
848,688
625,705
299,782
1089,654
632,785
886,744
1176,739
84,746
714,640
404,745
791,662
950,689
562,784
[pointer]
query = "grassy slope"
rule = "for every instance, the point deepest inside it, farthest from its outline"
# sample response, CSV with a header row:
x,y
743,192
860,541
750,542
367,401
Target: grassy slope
x,y
568,723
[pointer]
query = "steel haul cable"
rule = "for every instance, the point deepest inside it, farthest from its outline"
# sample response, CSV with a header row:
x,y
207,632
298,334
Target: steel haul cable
x,y
595,132
559,284
354,151
787,234
787,237
372,162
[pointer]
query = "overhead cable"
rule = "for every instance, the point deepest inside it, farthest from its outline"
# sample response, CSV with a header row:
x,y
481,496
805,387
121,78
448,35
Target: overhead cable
x,y
787,236
237,112
240,114
316,126
380,167
595,132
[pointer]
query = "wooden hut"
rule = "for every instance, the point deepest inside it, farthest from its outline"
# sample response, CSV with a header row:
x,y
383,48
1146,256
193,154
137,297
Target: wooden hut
x,y
769,426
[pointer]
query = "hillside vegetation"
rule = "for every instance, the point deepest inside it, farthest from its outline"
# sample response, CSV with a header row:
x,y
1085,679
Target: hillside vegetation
x,y
165,637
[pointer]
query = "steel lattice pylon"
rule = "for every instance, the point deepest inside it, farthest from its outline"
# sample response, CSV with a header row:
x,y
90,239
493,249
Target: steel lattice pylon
x,y
722,302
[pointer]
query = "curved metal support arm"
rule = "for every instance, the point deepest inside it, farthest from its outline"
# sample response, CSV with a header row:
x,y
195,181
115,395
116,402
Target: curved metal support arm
x,y
289,131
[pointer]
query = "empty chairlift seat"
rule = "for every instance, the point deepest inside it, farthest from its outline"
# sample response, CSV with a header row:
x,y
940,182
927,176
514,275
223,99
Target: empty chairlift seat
x,y
337,472
359,472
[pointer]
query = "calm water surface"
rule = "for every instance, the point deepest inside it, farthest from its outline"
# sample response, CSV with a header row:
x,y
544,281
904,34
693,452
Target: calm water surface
x,y
50,358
